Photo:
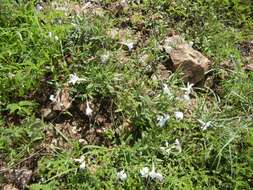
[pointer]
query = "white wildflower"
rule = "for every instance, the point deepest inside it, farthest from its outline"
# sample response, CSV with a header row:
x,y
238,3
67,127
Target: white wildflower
x,y
191,43
11,75
129,44
205,125
179,115
186,97
81,140
166,90
162,120
39,7
81,161
122,175
73,79
166,149
178,146
87,5
168,49
52,98
88,110
82,165
188,89
105,57
50,34
159,176
144,172
155,175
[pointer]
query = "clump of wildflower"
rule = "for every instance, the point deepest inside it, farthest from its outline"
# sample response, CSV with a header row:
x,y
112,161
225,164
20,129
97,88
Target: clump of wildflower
x,y
145,173
121,175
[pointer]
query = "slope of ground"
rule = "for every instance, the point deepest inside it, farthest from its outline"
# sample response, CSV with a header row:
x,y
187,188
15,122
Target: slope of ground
x,y
88,99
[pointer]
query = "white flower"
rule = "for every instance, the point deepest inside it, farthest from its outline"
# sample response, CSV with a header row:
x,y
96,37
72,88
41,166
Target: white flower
x,y
162,120
179,115
39,7
122,175
105,57
155,175
82,165
73,79
191,43
166,90
166,149
168,49
188,89
158,176
56,38
144,172
88,110
129,44
52,98
81,161
206,125
178,146
11,75
186,97
50,34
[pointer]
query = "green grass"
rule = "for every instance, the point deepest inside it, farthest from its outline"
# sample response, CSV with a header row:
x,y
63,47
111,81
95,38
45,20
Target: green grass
x,y
39,50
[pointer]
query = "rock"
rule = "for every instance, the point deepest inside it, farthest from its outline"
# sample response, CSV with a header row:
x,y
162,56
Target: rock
x,y
192,63
183,57
249,67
